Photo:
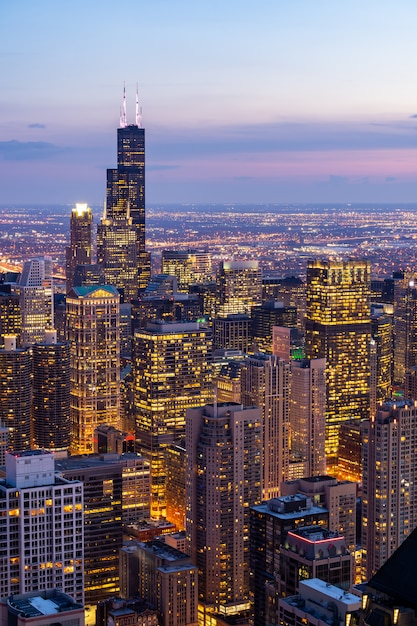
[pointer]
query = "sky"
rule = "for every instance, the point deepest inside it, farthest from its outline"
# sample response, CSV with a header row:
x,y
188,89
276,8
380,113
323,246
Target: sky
x,y
278,101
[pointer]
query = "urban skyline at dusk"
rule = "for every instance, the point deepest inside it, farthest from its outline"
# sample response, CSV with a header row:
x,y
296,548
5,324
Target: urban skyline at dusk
x,y
300,102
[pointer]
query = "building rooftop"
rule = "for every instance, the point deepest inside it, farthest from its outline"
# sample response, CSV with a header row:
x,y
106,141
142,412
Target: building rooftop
x,y
289,507
41,603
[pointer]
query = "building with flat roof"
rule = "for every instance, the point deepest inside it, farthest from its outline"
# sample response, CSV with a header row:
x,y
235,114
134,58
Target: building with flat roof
x,y
164,577
318,604
41,527
47,608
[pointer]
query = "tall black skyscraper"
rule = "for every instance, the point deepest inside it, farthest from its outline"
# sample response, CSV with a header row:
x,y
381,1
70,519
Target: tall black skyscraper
x,y
121,233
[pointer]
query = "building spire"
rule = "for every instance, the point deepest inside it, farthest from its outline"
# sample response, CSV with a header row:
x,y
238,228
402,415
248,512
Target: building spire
x,y
138,109
123,117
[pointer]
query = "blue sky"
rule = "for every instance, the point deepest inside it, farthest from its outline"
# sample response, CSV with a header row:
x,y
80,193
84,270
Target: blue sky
x,y
274,101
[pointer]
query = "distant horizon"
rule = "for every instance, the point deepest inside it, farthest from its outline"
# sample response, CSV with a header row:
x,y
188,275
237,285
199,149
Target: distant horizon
x,y
282,102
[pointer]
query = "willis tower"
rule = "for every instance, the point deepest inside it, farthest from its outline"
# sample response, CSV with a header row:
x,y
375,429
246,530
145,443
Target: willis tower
x,y
121,232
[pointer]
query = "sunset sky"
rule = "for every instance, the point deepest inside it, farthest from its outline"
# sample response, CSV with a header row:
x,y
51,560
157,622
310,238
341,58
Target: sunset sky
x,y
274,101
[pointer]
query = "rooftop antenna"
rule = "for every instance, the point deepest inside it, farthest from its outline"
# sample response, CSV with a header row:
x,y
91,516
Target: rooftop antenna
x,y
138,109
123,117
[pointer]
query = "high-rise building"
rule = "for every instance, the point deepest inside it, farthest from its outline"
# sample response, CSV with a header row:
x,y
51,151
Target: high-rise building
x,y
164,577
93,323
269,525
51,393
264,317
389,482
338,329
175,462
232,332
189,267
337,496
405,325
35,290
265,383
311,552
239,287
224,455
172,372
15,393
10,319
103,529
121,233
308,415
81,241
381,354
42,527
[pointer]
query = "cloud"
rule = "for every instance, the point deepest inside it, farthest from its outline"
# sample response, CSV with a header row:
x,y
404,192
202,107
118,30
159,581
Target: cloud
x,y
243,178
28,150
390,179
175,143
413,116
36,125
338,180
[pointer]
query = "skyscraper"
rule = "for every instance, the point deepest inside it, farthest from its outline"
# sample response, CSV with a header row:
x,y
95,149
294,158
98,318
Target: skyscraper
x,y
42,527
51,393
93,322
35,290
239,287
338,329
172,372
81,241
189,266
308,415
265,383
121,233
389,482
15,393
223,444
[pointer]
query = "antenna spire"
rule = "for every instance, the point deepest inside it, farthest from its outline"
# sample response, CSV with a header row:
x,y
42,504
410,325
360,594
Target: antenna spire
x,y
123,117
138,109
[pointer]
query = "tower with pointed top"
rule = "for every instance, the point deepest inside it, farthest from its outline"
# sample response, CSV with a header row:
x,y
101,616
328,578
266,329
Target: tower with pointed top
x,y
121,232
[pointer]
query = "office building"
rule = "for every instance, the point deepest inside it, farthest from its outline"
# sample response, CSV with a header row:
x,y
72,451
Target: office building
x,y
164,577
405,324
172,372
239,287
338,329
318,603
381,355
264,317
312,552
389,482
227,382
350,452
175,463
10,320
121,232
42,528
265,383
15,393
51,393
93,322
232,333
307,415
337,496
290,290
103,529
35,291
224,455
270,523
189,267
79,252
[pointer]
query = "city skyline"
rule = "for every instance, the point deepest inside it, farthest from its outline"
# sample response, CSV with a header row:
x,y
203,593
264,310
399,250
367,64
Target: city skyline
x,y
287,103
